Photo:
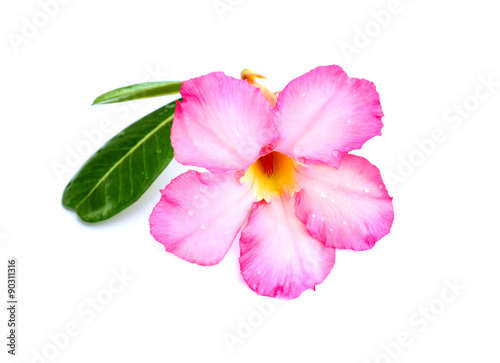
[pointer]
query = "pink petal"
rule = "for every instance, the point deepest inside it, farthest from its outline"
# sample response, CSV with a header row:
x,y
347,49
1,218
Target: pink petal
x,y
199,216
278,257
324,114
222,124
348,207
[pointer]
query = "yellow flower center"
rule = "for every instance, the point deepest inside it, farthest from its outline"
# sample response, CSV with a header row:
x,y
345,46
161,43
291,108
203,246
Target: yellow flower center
x,y
272,175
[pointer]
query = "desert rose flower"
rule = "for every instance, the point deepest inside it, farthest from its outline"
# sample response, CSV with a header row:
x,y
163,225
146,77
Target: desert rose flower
x,y
279,172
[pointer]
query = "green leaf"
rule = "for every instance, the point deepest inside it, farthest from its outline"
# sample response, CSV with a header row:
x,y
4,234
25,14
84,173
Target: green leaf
x,y
138,91
123,169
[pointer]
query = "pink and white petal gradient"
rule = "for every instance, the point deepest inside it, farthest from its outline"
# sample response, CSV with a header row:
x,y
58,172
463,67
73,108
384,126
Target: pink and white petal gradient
x,y
199,215
278,258
222,124
324,114
346,208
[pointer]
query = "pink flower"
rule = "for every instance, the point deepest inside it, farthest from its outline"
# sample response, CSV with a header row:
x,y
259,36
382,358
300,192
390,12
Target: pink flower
x,y
284,165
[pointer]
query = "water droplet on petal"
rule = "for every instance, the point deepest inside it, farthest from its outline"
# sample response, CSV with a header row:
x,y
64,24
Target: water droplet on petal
x,y
333,200
314,215
203,188
225,232
297,149
258,272
381,186
335,153
204,226
345,198
349,121
277,113
324,194
367,190
331,230
237,134
323,219
303,94
344,222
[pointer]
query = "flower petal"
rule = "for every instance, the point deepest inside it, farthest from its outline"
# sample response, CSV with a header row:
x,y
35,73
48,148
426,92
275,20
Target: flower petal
x,y
324,114
278,257
348,207
222,124
199,216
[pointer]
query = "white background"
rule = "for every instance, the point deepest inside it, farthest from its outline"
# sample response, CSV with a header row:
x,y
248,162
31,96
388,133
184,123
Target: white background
x,y
427,58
